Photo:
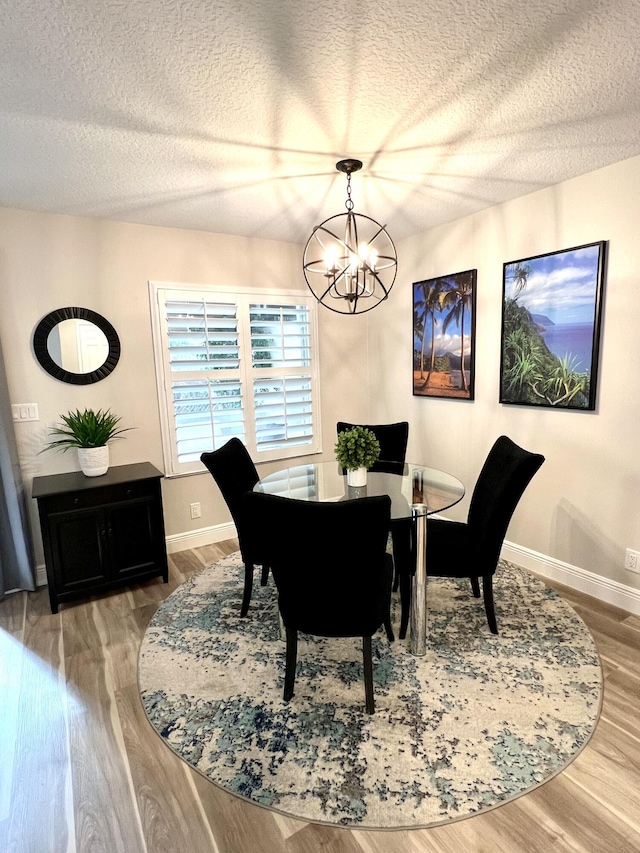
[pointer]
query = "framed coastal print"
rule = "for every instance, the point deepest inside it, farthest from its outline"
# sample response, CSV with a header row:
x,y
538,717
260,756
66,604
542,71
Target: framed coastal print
x,y
551,315
444,336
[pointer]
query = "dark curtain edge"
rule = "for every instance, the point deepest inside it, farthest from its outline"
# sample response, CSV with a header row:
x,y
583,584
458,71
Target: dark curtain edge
x,y
17,569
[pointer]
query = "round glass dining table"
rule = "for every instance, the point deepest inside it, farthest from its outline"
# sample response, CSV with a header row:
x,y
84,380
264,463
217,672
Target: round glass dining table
x,y
416,491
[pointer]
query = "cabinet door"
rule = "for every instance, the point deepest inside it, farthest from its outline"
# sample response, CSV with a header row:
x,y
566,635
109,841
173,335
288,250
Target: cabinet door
x,y
79,549
132,530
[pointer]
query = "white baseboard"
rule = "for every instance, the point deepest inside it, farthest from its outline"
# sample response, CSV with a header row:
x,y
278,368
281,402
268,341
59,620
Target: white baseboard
x,y
611,592
619,594
202,536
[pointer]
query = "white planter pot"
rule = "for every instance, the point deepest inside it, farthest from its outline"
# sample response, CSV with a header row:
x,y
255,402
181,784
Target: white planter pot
x,y
94,461
357,477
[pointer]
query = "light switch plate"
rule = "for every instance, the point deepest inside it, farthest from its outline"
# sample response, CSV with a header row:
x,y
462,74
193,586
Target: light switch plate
x,y
23,412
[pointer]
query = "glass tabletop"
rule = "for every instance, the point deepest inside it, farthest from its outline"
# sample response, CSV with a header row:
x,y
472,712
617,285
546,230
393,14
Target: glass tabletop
x,y
411,487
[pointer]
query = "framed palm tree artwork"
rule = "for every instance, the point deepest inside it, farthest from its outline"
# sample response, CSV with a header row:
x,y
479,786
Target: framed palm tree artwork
x,y
551,315
444,336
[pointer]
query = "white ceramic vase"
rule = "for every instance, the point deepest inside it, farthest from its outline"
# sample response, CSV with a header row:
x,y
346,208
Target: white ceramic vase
x,y
357,477
94,461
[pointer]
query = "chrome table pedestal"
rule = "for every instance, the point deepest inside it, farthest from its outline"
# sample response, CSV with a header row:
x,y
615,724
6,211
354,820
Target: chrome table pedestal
x,y
418,612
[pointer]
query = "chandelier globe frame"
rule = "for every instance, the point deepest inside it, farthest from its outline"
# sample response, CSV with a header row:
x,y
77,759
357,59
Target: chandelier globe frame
x,y
350,261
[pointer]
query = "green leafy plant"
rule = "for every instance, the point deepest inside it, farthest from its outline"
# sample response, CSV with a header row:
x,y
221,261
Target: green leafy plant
x,y
357,448
531,373
86,429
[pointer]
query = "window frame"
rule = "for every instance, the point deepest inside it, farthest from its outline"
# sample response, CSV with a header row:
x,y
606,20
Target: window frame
x,y
242,297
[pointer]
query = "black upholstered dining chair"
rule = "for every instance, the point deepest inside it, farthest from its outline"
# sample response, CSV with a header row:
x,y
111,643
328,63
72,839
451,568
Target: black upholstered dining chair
x,y
471,549
233,470
393,440
331,569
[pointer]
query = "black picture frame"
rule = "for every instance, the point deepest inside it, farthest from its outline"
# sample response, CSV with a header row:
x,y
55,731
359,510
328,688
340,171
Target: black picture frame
x,y
41,350
444,336
551,326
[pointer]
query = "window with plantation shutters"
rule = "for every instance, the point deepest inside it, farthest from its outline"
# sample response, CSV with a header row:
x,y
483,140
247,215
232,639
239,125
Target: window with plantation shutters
x,y
281,375
230,365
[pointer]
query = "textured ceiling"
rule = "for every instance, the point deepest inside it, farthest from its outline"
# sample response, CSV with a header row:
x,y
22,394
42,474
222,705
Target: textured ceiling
x,y
229,115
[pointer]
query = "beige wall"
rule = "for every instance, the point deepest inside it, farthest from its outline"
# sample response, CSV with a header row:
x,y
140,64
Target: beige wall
x,y
583,507
49,261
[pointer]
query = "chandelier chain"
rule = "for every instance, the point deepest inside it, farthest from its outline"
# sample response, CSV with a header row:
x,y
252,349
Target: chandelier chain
x,y
349,203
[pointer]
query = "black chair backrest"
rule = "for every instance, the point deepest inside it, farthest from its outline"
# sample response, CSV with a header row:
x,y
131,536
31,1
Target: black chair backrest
x,y
393,440
506,473
328,561
233,470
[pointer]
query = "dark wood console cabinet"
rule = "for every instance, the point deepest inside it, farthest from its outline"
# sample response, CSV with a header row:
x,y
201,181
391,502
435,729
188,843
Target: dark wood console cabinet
x,y
100,533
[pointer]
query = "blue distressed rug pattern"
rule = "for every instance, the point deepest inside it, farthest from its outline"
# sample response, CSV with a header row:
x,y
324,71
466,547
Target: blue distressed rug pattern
x,y
479,720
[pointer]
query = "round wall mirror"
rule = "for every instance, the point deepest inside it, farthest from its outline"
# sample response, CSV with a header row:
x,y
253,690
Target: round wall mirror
x,y
76,345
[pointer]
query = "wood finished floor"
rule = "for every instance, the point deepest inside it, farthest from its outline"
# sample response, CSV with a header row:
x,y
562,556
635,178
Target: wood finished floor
x,y
82,770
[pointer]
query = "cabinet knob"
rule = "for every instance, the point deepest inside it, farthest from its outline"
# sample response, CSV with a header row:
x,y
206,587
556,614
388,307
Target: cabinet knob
x,y
76,501
129,491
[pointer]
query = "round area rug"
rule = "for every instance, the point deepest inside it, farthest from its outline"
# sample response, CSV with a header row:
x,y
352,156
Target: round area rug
x,y
479,720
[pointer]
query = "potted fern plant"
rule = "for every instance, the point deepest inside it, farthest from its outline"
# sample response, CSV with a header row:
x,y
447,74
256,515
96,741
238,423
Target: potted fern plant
x,y
89,432
356,450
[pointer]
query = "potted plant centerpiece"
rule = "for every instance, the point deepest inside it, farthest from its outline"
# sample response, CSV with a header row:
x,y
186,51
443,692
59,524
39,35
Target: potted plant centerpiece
x,y
357,449
89,431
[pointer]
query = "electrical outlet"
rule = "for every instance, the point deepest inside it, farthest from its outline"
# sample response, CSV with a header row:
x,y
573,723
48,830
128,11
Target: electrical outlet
x,y
195,510
632,560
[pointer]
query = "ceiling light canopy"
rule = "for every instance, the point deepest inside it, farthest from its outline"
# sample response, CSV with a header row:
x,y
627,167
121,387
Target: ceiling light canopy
x,y
350,262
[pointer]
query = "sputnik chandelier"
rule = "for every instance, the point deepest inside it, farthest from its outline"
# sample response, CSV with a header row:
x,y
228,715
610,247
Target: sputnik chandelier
x,y
350,262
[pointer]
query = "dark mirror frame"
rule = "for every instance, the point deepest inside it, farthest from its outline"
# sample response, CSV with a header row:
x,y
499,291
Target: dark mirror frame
x,y
41,335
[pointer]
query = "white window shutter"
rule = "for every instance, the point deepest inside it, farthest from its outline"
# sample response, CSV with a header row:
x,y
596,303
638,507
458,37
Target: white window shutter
x,y
232,366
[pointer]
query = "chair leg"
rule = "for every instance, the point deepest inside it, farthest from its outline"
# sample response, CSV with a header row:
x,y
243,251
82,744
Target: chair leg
x,y
487,589
401,550
404,562
248,587
475,586
405,603
292,655
265,575
389,629
368,674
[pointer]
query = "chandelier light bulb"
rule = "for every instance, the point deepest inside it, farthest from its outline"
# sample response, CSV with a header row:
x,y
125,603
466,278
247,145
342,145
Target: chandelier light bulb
x,y
331,256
